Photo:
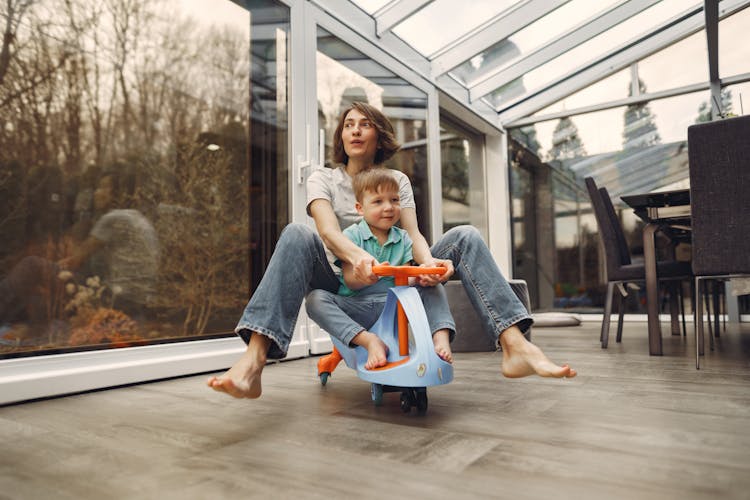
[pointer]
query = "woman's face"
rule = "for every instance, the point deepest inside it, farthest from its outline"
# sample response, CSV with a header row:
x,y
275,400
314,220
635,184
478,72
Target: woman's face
x,y
360,137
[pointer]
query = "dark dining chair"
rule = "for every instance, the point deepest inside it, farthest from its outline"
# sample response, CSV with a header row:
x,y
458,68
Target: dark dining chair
x,y
719,159
620,269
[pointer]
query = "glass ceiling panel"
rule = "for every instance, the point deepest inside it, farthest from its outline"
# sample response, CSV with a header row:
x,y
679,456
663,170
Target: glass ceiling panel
x,y
590,51
734,51
612,88
441,22
680,58
527,40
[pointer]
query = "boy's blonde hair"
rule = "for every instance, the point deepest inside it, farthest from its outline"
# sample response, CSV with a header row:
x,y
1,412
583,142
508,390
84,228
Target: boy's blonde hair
x,y
373,180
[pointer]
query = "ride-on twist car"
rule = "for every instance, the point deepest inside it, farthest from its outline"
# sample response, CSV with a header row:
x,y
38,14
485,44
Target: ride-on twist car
x,y
412,363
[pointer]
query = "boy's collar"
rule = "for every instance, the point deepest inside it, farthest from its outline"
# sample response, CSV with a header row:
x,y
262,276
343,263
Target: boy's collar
x,y
366,233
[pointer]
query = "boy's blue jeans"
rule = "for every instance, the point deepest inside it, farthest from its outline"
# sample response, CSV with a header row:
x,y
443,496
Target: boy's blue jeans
x,y
345,317
299,264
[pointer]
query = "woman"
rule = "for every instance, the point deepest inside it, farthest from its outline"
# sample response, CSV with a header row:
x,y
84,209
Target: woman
x,y
365,139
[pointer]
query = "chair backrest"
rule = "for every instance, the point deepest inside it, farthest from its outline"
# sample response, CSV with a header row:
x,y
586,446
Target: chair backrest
x,y
607,231
622,242
719,155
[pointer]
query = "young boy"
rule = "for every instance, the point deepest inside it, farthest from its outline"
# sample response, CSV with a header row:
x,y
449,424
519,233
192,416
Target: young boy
x,y
356,304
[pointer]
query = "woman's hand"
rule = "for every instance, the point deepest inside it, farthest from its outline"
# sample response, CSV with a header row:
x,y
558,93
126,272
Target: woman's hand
x,y
362,269
434,279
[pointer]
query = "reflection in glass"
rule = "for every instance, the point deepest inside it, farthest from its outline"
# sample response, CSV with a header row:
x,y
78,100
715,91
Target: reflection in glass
x,y
131,172
523,216
555,246
507,92
735,101
346,75
462,175
631,149
576,243
496,57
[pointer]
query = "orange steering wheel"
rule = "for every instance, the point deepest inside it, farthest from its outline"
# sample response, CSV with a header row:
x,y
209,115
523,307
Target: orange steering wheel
x,y
401,274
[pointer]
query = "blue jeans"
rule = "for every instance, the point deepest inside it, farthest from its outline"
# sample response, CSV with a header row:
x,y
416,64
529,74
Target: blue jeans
x,y
488,290
299,264
345,317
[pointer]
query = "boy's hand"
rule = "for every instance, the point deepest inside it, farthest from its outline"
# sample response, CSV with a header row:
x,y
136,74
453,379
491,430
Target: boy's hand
x,y
434,279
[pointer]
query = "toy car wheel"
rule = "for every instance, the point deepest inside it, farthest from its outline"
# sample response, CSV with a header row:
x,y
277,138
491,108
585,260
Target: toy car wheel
x,y
324,378
376,390
405,402
422,401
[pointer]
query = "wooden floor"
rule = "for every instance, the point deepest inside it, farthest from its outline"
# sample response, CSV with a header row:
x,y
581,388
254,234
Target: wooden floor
x,y
630,426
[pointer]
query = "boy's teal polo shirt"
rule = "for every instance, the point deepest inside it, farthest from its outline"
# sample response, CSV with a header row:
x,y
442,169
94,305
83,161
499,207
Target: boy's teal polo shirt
x,y
396,251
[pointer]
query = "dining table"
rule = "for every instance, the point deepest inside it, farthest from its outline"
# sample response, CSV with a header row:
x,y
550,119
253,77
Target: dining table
x,y
667,211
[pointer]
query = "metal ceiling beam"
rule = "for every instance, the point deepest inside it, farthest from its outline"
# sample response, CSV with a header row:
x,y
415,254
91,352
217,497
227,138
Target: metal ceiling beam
x,y
584,32
396,12
456,91
711,8
627,101
612,62
486,36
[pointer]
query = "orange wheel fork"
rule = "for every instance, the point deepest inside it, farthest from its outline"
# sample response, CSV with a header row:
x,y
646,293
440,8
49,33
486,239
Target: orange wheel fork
x,y
329,362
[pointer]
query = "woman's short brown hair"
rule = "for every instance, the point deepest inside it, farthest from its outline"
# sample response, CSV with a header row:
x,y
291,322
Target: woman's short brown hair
x,y
388,145
373,180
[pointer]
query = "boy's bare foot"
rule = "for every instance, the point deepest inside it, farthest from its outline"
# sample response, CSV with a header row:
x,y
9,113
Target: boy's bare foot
x,y
521,358
441,340
242,380
377,351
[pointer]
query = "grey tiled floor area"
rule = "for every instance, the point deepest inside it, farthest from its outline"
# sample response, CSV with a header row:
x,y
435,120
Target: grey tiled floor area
x,y
629,426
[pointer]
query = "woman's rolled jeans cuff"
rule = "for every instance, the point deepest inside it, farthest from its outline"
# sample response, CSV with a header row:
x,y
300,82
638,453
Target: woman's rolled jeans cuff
x,y
298,264
278,347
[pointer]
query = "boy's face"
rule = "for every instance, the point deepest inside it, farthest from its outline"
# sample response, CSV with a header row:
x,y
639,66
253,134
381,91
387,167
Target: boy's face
x,y
381,210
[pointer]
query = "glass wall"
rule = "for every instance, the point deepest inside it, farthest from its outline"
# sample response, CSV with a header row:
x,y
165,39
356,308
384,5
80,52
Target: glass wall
x,y
630,149
345,75
462,174
142,169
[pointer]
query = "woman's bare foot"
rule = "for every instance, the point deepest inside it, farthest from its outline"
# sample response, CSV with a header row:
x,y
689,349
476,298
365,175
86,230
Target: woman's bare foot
x,y
242,380
521,358
377,351
442,341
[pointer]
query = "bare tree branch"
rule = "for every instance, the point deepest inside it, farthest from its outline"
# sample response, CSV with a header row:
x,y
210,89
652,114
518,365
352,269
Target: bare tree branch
x,y
15,12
